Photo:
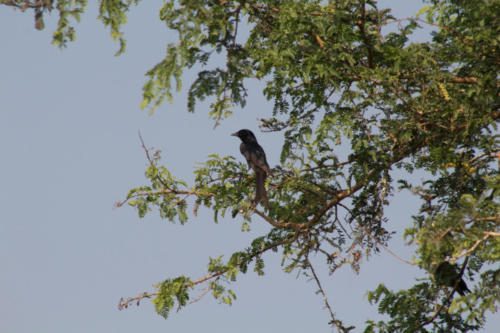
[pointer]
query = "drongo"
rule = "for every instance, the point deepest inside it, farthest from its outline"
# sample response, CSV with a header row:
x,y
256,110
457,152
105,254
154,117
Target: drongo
x,y
256,159
449,275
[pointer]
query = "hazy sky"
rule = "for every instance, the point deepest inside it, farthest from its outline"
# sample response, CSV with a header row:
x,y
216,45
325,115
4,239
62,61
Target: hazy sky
x,y
68,137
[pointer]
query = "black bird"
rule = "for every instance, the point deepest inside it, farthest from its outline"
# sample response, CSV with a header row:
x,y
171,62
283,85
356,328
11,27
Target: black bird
x,y
256,159
449,275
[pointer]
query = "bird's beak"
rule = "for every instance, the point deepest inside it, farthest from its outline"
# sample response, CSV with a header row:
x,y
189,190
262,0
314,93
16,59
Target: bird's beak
x,y
235,134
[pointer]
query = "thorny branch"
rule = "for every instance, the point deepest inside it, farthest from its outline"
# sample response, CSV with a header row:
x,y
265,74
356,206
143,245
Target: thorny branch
x,y
334,321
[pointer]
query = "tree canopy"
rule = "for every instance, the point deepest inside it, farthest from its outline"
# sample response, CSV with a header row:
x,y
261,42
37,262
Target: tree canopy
x,y
336,76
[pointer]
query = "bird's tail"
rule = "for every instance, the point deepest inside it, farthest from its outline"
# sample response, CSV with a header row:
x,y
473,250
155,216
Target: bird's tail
x,y
462,288
261,194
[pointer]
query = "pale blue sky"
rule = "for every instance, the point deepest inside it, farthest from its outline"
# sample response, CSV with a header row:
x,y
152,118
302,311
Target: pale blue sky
x,y
68,136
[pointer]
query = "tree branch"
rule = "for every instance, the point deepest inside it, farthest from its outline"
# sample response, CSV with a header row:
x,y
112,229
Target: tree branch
x,y
124,303
469,251
25,4
333,321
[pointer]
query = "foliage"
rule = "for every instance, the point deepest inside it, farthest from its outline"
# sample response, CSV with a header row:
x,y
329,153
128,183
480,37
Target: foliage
x,y
67,10
336,76
421,300
111,12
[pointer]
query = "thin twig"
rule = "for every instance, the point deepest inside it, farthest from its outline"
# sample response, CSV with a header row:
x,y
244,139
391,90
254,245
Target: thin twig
x,y
205,291
151,161
321,290
385,247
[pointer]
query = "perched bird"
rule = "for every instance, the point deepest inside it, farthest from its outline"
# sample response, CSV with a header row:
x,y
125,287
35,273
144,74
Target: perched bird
x,y
449,275
256,159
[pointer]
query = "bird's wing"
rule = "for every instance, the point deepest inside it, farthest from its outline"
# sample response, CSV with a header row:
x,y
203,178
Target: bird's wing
x,y
258,158
245,151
